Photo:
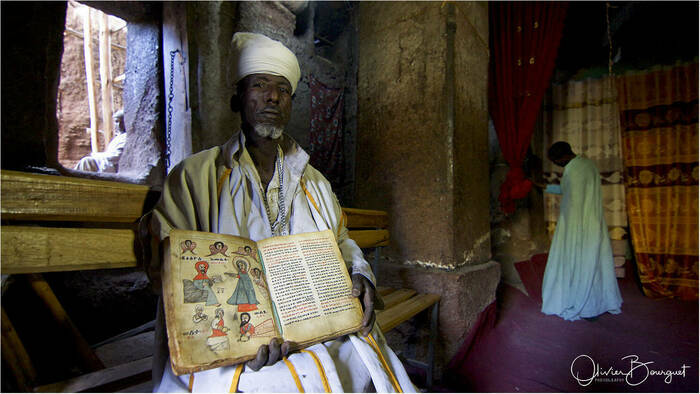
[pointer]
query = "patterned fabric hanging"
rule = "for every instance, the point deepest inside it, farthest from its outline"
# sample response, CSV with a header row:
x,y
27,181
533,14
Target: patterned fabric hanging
x,y
326,133
659,119
585,114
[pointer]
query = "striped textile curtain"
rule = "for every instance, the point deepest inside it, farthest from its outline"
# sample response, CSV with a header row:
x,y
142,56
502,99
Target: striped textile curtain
x,y
585,114
326,132
659,119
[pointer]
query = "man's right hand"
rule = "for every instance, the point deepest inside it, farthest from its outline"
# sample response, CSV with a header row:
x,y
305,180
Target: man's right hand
x,y
269,354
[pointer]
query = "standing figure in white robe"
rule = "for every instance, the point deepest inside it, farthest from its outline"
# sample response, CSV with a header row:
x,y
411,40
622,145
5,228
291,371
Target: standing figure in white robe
x,y
579,280
257,185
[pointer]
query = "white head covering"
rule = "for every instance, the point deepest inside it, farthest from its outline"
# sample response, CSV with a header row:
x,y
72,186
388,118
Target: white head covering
x,y
257,54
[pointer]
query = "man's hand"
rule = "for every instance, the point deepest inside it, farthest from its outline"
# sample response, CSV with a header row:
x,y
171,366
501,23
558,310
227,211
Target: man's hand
x,y
363,289
539,185
269,354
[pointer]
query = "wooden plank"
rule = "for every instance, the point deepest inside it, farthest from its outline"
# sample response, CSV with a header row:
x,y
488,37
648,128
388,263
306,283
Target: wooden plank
x,y
99,378
28,196
383,290
80,35
15,356
28,249
365,218
370,238
90,77
145,387
106,76
47,296
397,297
126,350
392,317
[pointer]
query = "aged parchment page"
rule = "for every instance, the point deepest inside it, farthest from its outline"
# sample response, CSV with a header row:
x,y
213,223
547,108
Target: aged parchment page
x,y
310,287
216,301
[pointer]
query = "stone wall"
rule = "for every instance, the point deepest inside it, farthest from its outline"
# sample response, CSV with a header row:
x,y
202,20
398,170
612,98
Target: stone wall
x,y
31,48
143,103
471,175
403,141
423,140
423,157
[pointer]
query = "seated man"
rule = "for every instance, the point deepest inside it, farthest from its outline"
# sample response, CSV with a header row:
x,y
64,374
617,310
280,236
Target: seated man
x,y
107,161
257,185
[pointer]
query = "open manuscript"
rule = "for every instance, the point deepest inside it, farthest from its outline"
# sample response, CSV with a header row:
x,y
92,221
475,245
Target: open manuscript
x,y
224,296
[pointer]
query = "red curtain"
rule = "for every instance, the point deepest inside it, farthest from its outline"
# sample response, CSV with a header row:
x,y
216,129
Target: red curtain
x,y
524,40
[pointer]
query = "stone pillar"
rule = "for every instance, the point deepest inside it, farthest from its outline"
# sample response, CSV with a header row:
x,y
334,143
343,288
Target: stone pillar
x,y
422,151
422,120
210,26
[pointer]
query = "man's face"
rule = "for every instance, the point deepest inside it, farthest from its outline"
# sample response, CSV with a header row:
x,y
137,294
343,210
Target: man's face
x,y
266,101
245,318
118,125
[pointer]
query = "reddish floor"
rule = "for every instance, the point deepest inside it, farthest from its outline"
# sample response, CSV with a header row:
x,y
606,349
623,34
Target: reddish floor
x,y
528,351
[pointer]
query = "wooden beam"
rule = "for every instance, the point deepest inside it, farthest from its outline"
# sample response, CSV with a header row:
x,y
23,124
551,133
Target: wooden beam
x,y
99,378
397,297
106,76
366,218
80,35
31,249
392,317
16,357
370,238
43,290
383,290
127,349
122,25
26,196
90,77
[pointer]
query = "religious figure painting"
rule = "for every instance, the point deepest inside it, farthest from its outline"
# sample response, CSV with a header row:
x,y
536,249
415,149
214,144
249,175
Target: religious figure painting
x,y
218,247
199,289
244,294
188,246
218,340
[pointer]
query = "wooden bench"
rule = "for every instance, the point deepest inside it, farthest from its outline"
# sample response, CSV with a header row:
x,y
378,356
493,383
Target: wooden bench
x,y
43,213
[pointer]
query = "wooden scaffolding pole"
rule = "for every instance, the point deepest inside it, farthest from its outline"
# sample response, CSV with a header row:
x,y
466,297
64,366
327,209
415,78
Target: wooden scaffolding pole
x,y
90,78
15,356
89,360
106,76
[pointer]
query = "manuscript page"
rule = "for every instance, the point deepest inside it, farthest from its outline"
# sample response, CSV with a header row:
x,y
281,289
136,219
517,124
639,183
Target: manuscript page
x,y
310,287
217,305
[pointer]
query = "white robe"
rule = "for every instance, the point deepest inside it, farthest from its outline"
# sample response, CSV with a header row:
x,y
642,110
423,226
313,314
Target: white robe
x,y
107,161
219,190
579,280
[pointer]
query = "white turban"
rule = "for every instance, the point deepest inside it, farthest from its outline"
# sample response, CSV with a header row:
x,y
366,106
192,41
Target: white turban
x,y
257,54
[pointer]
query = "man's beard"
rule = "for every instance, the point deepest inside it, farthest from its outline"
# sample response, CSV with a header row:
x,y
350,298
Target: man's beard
x,y
266,130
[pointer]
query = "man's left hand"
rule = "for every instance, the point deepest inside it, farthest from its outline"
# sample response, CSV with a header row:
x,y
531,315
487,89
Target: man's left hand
x,y
363,289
